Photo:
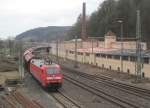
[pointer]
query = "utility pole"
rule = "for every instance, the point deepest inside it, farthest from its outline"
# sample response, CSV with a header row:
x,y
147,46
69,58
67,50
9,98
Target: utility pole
x,y
92,46
122,47
21,70
139,61
57,51
76,62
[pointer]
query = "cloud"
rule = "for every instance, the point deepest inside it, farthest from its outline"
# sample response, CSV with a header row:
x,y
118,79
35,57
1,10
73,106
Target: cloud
x,y
20,15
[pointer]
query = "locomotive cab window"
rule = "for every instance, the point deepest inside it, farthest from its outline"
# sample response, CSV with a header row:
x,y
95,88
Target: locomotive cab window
x,y
52,71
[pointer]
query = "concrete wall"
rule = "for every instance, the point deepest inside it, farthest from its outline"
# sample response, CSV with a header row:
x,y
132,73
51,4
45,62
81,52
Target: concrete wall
x,y
115,64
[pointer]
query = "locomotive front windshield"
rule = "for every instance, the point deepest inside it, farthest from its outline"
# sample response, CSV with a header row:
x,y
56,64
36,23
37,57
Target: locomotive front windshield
x,y
52,71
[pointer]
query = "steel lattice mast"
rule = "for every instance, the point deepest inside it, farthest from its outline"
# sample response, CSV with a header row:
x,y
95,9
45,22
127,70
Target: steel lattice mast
x,y
139,60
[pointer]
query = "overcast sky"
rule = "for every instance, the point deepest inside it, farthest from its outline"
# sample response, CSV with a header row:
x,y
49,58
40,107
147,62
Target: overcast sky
x,y
17,16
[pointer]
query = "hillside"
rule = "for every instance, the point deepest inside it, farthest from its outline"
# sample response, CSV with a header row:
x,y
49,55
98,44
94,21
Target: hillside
x,y
44,33
108,14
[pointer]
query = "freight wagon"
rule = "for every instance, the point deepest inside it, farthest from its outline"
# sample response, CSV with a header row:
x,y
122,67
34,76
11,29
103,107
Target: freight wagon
x,y
47,73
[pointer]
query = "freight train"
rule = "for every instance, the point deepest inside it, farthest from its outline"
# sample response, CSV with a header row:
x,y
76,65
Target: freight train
x,y
47,73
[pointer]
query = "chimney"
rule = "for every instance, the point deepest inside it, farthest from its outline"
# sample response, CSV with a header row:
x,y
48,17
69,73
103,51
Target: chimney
x,y
83,22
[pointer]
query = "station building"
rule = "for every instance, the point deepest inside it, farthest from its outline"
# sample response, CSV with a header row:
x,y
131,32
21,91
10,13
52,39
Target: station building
x,y
105,54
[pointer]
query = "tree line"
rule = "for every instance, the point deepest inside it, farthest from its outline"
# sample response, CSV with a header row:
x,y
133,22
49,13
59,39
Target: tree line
x,y
9,47
108,13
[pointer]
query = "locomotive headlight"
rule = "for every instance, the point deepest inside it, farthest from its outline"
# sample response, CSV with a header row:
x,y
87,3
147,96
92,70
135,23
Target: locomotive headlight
x,y
57,77
51,78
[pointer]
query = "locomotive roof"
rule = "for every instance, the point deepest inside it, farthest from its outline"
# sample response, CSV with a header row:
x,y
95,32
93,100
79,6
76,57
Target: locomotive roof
x,y
41,62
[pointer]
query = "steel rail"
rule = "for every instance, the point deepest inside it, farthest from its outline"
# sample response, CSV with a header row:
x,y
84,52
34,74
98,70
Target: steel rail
x,y
36,103
67,98
141,92
117,85
26,102
9,102
109,97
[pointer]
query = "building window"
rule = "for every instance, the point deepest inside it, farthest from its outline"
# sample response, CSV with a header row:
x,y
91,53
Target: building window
x,y
125,58
117,57
132,58
87,54
143,74
97,55
102,65
79,53
128,71
118,68
71,52
109,56
103,55
110,67
146,60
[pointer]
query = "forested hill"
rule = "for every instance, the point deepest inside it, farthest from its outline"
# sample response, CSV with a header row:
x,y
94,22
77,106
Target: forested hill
x,y
110,11
44,33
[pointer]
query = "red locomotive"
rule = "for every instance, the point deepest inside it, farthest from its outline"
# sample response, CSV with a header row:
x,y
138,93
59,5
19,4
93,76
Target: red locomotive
x,y
47,73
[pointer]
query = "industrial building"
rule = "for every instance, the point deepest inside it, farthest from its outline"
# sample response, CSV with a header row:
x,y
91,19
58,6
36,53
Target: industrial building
x,y
105,54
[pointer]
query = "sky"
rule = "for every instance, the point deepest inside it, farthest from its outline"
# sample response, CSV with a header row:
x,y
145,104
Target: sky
x,y
17,16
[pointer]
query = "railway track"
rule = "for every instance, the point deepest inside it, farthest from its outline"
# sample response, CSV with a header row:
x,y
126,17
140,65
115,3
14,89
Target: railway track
x,y
102,94
140,92
65,101
17,100
124,103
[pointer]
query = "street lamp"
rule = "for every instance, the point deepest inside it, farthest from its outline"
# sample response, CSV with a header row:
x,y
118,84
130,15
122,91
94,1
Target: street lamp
x,y
121,36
